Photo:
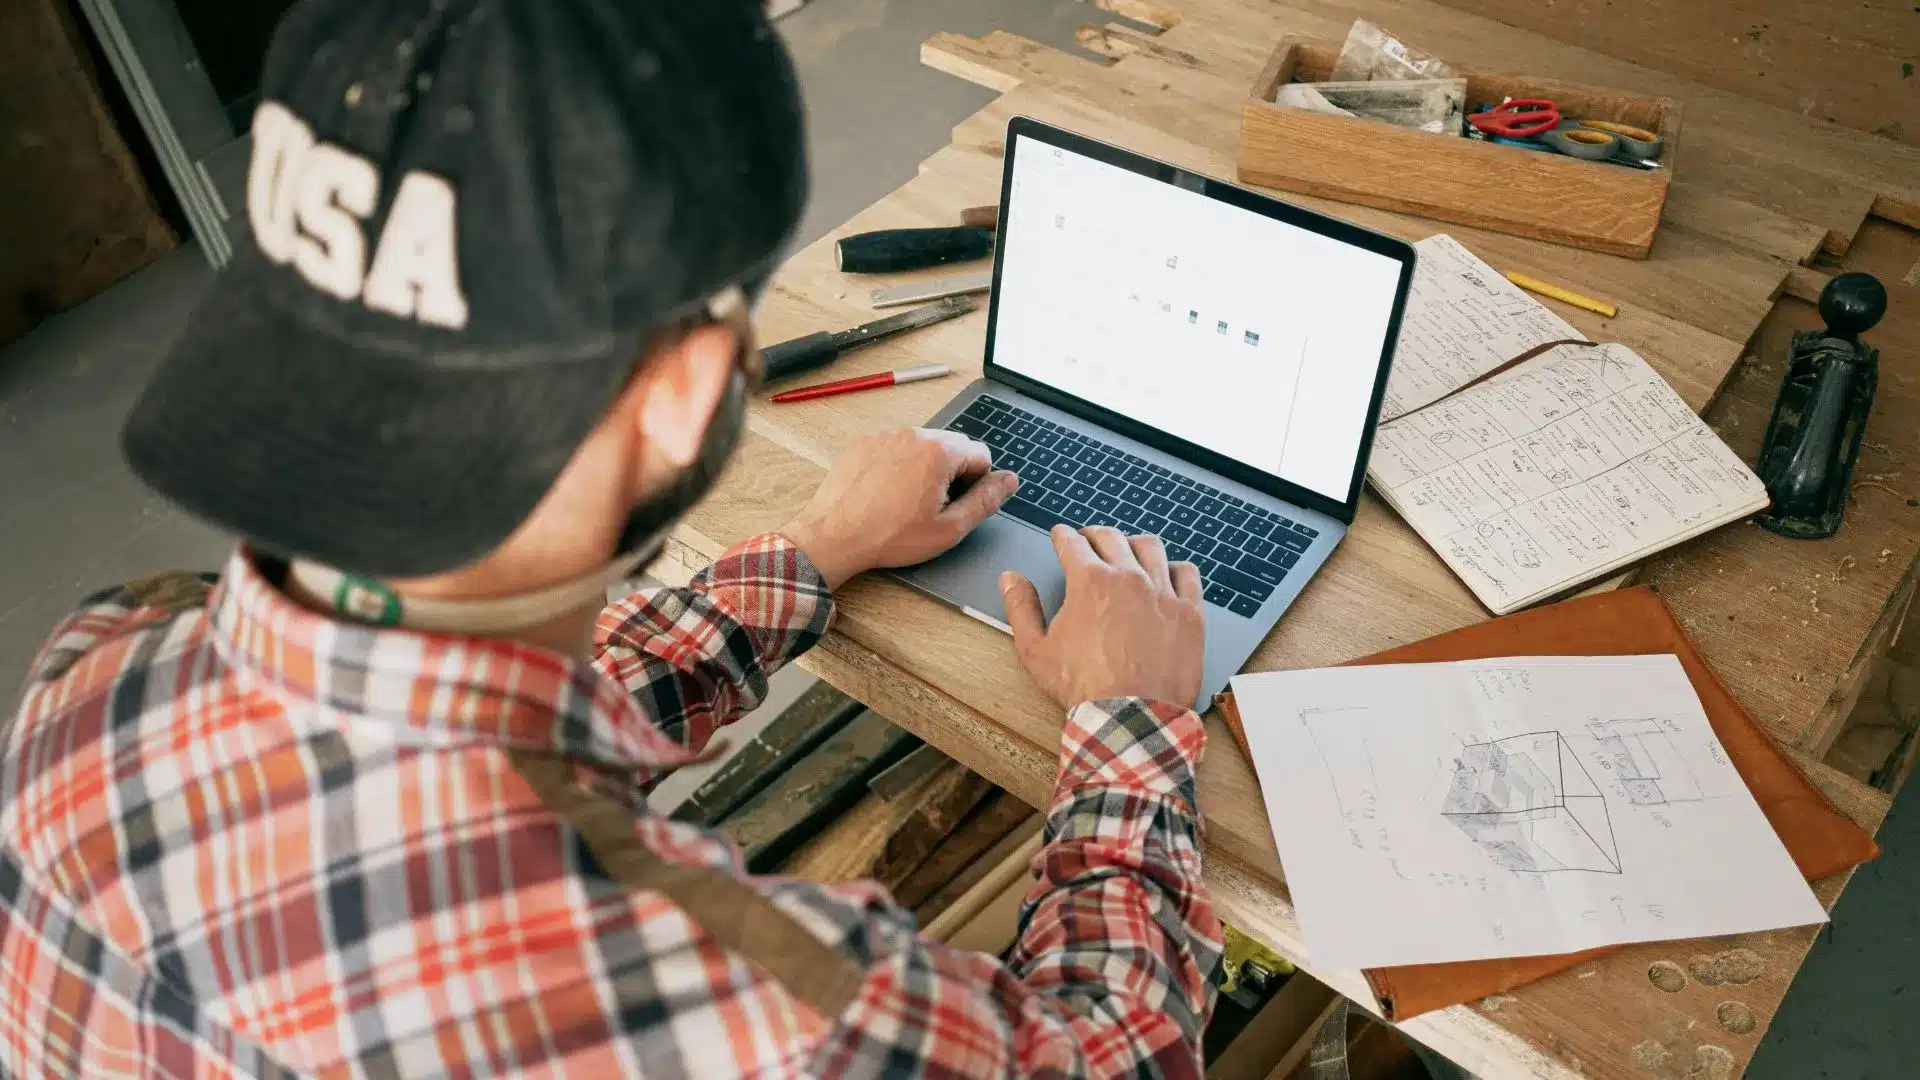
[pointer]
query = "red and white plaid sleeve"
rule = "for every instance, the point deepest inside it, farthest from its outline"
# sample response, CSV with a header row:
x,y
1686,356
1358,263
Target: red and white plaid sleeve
x,y
1109,976
698,658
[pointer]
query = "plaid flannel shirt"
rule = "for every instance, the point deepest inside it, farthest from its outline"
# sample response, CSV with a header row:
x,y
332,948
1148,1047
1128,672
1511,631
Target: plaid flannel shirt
x,y
242,839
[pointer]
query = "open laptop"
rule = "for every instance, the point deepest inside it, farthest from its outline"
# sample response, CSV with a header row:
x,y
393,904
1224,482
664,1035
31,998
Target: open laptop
x,y
1171,354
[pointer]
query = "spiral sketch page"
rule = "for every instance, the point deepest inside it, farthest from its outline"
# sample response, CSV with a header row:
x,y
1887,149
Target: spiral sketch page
x,y
1428,813
1558,471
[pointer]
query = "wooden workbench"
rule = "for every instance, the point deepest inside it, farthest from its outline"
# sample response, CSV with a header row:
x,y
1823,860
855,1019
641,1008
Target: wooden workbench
x,y
1760,191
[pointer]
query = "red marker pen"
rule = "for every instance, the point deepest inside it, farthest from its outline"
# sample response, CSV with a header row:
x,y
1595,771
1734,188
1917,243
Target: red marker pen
x,y
865,382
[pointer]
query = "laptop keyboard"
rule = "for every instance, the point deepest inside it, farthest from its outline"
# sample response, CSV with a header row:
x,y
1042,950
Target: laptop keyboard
x,y
1243,551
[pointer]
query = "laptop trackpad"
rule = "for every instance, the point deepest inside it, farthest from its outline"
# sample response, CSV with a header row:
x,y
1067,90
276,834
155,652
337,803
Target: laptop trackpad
x,y
969,575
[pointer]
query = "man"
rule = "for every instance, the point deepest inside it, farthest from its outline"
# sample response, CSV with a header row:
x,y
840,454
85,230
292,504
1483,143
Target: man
x,y
372,804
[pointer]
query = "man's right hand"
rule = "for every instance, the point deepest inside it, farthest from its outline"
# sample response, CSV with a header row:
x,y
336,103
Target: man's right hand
x,y
1131,624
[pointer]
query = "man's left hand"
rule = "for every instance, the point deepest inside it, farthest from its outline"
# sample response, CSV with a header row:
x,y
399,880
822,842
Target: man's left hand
x,y
885,503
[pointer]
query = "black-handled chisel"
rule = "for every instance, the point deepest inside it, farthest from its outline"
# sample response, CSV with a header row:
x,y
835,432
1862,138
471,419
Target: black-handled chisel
x,y
817,350
896,251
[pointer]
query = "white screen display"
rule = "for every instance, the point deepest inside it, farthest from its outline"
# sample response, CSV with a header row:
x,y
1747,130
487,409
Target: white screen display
x,y
1253,338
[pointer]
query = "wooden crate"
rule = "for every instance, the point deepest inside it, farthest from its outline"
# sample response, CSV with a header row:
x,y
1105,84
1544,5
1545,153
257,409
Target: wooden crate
x,y
1563,200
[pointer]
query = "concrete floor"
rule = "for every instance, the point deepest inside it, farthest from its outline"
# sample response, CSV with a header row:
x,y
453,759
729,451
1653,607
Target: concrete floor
x,y
75,519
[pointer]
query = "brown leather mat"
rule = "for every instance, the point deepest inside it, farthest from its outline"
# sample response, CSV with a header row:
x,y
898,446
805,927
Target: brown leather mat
x,y
1623,622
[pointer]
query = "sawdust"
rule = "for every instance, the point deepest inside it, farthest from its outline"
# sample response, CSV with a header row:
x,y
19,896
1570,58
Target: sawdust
x,y
1651,1056
1666,975
1736,1017
1711,1063
1737,966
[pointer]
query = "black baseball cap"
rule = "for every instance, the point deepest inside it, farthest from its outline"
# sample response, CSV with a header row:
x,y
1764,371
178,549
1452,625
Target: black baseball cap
x,y
467,217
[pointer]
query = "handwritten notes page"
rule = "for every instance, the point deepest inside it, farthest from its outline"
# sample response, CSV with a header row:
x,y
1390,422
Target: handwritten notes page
x,y
1563,469
1518,807
1462,320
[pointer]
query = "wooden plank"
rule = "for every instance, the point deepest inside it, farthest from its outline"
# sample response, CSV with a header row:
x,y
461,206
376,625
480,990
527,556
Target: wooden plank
x,y
816,790
1827,724
1805,283
1011,876
886,840
75,213
818,714
978,866
1744,224
998,816
1275,1041
1848,63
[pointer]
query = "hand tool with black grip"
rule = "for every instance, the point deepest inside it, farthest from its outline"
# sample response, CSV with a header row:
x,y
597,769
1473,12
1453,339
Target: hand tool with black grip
x,y
803,354
894,251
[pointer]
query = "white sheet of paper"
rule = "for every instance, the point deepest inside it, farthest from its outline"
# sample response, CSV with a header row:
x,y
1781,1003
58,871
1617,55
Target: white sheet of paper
x,y
1435,812
1568,467
1462,320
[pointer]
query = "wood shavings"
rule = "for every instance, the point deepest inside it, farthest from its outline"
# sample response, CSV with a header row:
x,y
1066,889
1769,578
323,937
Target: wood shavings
x,y
1870,484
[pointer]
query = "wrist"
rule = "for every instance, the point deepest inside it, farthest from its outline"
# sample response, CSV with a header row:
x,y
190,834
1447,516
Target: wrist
x,y
833,560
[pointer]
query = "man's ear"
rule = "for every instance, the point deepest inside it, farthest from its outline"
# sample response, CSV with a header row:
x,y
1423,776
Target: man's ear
x,y
679,387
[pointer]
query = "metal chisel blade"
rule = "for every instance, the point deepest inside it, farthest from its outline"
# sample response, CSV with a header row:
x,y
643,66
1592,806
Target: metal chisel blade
x,y
895,295
868,333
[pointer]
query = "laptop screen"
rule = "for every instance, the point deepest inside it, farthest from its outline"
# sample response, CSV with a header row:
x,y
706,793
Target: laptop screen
x,y
1247,336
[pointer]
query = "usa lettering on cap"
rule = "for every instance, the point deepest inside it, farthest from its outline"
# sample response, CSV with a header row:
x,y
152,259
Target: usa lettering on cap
x,y
308,202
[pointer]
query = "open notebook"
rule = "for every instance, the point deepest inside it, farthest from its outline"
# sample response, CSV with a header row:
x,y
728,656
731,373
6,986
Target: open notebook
x,y
1573,463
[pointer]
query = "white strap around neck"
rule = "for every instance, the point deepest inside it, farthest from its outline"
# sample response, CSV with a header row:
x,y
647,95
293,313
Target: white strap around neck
x,y
366,600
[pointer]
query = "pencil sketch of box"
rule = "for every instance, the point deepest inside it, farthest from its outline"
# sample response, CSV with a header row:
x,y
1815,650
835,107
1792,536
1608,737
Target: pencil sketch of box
x,y
1532,806
1649,765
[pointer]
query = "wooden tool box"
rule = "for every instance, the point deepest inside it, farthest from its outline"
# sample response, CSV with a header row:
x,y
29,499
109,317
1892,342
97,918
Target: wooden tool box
x,y
1507,189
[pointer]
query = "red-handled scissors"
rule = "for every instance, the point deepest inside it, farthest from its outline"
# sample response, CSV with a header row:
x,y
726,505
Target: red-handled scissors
x,y
1519,118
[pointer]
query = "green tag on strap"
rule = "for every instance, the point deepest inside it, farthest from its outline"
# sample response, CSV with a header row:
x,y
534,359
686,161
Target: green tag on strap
x,y
367,600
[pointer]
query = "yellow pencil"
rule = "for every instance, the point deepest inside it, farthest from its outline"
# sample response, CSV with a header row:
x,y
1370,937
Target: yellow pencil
x,y
1565,296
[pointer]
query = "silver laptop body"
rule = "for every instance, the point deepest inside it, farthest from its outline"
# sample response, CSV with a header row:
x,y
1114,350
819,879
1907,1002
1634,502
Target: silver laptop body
x,y
1171,354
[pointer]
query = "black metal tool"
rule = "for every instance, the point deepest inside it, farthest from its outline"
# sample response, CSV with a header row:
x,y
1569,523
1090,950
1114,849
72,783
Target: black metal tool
x,y
895,251
803,354
1820,417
